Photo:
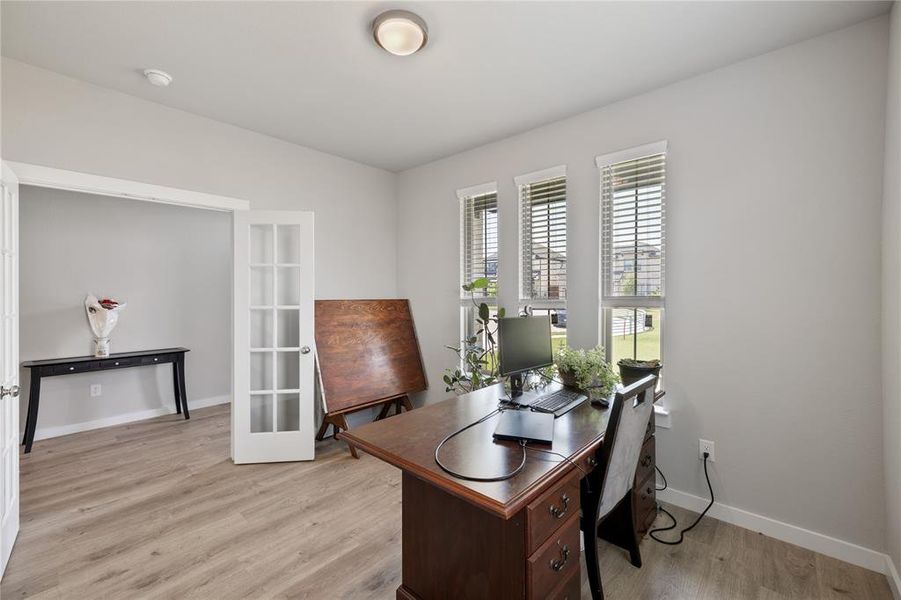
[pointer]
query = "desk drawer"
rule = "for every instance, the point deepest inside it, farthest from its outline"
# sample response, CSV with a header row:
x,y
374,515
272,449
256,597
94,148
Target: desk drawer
x,y
79,367
652,427
570,590
546,514
118,363
646,461
645,505
555,561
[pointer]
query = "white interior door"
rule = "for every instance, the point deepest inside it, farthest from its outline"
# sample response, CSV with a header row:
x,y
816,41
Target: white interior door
x,y
9,365
272,409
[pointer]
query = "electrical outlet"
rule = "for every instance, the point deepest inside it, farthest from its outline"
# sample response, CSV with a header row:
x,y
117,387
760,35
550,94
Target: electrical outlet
x,y
708,447
96,390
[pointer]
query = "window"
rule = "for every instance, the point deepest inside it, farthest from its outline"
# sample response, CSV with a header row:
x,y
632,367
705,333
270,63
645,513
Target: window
x,y
542,219
478,251
633,250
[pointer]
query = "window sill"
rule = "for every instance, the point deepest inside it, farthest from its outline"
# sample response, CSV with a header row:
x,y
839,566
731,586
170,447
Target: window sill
x,y
662,417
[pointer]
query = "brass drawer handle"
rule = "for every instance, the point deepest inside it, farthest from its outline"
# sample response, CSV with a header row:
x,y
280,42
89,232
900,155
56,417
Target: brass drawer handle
x,y
560,512
592,462
557,565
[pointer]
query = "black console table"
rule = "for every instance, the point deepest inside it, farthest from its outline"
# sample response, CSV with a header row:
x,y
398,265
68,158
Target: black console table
x,y
85,364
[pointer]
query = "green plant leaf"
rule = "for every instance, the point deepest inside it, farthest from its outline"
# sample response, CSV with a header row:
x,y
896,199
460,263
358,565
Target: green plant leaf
x,y
484,312
501,312
479,284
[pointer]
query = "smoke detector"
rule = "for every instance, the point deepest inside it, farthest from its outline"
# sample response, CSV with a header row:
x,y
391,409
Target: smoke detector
x,y
157,77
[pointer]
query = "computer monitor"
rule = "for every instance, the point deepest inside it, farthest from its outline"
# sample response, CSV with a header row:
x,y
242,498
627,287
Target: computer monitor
x,y
524,344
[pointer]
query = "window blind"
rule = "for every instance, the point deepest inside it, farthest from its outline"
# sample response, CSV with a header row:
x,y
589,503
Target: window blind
x,y
633,247
543,239
478,240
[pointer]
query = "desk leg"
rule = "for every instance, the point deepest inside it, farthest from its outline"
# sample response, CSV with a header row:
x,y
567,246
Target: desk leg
x,y
34,398
181,385
176,387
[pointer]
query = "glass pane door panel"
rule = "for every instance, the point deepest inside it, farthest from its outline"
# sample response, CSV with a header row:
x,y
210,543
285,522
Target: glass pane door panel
x,y
289,328
261,413
261,286
261,326
288,244
288,412
261,244
288,375
288,286
260,371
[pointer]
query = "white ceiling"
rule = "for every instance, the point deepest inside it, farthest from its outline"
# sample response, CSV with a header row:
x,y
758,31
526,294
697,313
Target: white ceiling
x,y
310,73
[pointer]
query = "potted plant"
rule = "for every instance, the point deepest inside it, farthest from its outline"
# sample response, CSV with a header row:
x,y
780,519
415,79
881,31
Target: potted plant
x,y
478,365
586,370
632,370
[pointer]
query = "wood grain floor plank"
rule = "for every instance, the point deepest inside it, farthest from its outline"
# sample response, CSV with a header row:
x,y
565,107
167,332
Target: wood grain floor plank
x,y
156,509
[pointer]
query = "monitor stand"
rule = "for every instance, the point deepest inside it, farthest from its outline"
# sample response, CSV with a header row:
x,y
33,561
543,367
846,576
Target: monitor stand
x,y
516,385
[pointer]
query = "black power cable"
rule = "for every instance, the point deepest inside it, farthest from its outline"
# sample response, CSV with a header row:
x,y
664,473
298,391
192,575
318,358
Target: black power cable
x,y
504,477
676,523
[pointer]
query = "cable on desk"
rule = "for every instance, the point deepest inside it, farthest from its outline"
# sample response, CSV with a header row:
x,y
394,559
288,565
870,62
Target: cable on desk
x,y
563,456
450,471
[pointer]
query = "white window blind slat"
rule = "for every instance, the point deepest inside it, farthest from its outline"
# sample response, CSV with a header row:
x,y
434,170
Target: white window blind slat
x,y
543,240
633,243
479,242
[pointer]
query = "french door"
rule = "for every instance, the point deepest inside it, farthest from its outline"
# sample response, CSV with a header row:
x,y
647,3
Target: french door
x,y
9,364
273,406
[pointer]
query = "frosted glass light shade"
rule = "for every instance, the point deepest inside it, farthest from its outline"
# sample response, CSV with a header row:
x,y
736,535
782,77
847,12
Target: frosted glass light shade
x,y
400,32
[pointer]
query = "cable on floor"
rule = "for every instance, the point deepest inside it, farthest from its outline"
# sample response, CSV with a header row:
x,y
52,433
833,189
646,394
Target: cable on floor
x,y
675,522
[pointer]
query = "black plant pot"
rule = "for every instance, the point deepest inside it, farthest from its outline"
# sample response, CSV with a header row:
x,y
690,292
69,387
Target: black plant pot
x,y
630,374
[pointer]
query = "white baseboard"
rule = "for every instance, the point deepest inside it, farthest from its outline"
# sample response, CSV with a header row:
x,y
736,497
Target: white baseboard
x,y
42,433
894,580
818,542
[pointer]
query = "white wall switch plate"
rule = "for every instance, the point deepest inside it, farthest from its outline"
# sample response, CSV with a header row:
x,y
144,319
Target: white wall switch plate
x,y
96,390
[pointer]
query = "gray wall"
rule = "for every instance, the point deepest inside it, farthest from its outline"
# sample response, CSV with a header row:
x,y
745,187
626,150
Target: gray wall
x,y
773,309
171,264
891,307
52,120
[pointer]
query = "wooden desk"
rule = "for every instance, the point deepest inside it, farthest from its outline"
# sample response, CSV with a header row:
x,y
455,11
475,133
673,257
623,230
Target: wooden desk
x,y
85,364
501,540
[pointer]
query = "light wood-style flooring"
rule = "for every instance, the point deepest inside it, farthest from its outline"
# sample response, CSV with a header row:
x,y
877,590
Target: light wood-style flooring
x,y
156,510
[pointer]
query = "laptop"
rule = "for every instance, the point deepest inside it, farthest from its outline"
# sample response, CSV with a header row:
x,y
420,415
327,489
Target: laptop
x,y
527,425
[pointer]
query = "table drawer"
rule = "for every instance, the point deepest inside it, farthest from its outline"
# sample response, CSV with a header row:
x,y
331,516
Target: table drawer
x,y
118,363
546,514
645,505
570,590
646,461
79,367
156,360
555,561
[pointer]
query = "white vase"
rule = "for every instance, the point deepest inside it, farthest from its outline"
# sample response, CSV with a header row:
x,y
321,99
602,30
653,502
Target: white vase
x,y
101,347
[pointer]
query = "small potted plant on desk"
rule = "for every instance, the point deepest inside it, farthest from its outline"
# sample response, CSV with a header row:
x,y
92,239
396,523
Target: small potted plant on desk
x,y
587,371
633,370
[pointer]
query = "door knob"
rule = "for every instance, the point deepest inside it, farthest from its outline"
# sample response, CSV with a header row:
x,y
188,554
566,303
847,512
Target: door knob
x,y
305,350
9,391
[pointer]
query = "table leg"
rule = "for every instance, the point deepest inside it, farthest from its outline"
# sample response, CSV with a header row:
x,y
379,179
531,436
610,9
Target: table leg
x,y
34,398
181,385
176,387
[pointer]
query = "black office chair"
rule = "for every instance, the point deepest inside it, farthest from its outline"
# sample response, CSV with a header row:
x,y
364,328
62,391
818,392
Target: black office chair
x,y
607,494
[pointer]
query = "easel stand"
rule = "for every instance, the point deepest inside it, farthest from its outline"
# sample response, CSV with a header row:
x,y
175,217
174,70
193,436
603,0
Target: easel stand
x,y
338,421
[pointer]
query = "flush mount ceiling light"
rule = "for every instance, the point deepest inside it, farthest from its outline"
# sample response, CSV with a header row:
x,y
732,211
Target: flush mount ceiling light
x,y
400,32
157,77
